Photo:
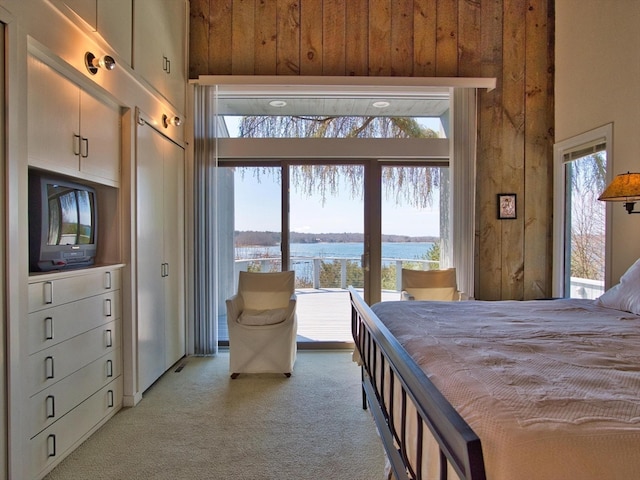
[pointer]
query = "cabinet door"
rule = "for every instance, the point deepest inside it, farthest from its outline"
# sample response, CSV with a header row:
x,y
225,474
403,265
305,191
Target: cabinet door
x,y
150,231
115,19
176,76
86,9
159,46
149,26
53,128
100,130
174,252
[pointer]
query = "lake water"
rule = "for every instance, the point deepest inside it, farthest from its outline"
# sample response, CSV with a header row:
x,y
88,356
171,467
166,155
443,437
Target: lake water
x,y
390,250
302,255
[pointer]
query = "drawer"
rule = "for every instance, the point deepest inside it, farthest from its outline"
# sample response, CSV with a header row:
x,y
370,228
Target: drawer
x,y
49,366
68,287
49,447
53,403
56,324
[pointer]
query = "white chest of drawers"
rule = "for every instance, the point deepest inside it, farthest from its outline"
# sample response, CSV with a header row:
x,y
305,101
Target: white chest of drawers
x,y
73,372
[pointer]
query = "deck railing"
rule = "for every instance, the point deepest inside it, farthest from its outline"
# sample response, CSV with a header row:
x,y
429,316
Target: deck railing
x,y
308,272
308,269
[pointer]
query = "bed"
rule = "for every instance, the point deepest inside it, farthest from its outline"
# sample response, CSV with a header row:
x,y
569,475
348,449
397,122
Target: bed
x,y
543,389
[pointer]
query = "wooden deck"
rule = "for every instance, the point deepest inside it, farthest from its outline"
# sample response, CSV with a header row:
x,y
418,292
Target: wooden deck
x,y
324,315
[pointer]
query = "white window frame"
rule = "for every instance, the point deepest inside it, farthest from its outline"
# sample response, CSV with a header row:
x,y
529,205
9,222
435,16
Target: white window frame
x,y
597,135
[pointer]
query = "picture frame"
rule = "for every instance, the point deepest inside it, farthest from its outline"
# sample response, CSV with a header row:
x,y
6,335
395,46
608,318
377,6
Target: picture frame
x,y
507,206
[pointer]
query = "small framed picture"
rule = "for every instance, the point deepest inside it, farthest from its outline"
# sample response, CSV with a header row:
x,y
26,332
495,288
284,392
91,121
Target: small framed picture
x,y
506,206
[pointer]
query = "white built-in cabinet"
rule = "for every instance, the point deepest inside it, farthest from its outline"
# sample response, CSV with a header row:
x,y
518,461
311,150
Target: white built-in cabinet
x,y
160,254
159,46
72,375
112,19
70,131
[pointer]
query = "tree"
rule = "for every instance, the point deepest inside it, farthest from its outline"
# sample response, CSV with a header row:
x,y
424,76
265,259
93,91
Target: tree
x,y
413,185
587,176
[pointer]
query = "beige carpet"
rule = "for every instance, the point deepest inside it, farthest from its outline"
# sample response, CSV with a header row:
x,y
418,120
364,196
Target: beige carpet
x,y
199,424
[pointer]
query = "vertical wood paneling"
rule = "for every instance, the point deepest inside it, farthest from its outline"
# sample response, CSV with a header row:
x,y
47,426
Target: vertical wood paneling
x,y
199,35
488,249
220,14
402,38
469,56
311,37
379,37
288,40
424,38
513,145
243,30
266,34
511,40
447,38
333,26
357,37
538,149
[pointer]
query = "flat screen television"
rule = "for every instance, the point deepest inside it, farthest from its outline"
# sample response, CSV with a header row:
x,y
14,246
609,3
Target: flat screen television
x,y
63,223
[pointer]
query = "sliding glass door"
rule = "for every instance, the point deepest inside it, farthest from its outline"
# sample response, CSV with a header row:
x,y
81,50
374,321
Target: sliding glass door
x,y
325,246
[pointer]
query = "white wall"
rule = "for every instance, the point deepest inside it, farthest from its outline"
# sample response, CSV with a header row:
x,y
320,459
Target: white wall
x,y
597,81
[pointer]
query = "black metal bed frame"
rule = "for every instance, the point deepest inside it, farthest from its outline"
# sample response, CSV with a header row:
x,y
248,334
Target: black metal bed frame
x,y
386,364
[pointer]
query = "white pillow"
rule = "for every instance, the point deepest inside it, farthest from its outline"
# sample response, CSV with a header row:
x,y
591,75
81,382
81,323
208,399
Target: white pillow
x,y
624,296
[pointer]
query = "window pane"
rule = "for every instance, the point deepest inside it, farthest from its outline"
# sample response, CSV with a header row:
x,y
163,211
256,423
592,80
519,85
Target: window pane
x,y
411,223
585,226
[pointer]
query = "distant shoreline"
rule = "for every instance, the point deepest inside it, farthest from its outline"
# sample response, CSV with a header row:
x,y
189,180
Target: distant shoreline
x,y
269,239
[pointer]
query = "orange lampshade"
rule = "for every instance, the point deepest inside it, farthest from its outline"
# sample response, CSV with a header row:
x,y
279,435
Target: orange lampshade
x,y
624,188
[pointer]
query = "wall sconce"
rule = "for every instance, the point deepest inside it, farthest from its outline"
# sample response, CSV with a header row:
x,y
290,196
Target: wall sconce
x,y
174,120
624,188
93,63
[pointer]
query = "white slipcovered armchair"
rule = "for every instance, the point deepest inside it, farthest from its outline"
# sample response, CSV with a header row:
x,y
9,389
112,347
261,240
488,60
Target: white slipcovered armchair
x,y
262,323
438,285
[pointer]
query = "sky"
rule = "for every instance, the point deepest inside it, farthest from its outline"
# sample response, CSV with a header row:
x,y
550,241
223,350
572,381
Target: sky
x,y
258,208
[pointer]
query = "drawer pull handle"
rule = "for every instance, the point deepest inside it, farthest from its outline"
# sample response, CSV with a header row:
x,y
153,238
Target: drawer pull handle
x,y
107,280
110,398
48,293
51,406
109,339
51,445
48,368
109,368
48,328
107,307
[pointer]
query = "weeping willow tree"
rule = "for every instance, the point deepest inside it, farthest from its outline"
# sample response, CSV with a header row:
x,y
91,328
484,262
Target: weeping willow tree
x,y
410,184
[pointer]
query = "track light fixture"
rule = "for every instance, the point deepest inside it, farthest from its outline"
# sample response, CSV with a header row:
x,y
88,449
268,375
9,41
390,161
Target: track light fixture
x,y
173,120
93,63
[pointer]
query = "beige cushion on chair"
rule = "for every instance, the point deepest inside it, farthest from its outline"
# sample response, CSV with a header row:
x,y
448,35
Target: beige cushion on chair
x,y
437,285
263,317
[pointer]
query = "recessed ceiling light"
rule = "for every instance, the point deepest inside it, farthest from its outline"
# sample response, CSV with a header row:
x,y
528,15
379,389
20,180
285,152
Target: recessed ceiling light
x,y
278,103
381,104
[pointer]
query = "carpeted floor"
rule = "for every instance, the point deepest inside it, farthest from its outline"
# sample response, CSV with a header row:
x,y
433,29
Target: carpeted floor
x,y
200,424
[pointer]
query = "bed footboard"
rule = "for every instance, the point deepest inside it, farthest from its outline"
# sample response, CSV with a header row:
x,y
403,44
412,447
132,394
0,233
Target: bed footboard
x,y
412,416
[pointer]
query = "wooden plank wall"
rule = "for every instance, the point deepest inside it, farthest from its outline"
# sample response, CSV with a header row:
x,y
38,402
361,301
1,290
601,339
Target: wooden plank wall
x,y
511,40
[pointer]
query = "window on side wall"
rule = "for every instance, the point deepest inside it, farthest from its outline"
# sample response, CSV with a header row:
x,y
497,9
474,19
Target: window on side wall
x,y
580,220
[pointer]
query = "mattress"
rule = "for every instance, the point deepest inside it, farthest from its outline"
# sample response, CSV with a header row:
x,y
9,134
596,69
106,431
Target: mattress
x,y
552,388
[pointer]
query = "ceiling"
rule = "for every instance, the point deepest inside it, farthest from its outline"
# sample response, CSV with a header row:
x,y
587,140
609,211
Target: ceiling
x,y
334,100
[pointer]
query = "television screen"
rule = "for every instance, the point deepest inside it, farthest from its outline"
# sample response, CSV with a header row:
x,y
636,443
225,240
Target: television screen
x,y
70,216
62,223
